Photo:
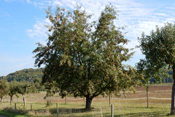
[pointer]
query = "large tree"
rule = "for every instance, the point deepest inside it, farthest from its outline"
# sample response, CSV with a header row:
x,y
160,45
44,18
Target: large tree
x,y
85,58
159,51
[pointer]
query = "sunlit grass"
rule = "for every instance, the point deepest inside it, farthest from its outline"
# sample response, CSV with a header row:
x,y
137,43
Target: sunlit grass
x,y
122,107
134,105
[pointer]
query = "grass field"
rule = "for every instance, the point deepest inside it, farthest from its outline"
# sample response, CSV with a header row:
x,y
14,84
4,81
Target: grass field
x,y
131,105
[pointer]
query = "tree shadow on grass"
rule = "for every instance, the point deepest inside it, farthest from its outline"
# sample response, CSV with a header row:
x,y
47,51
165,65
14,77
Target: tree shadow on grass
x,y
10,112
71,110
64,112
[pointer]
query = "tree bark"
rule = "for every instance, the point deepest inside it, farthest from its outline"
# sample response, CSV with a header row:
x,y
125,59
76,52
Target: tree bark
x,y
88,102
11,99
66,99
1,99
172,96
24,100
147,94
109,99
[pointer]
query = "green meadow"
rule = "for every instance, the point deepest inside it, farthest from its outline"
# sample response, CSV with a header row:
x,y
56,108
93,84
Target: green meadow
x,y
129,105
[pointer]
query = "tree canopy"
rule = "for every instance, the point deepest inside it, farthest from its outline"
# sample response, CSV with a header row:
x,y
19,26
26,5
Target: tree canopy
x,y
25,88
4,88
85,58
159,51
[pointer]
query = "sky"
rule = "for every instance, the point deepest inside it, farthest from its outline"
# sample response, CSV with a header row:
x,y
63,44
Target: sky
x,y
22,25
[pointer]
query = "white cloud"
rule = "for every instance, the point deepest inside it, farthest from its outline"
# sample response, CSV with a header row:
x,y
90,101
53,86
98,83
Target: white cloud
x,y
70,3
39,31
161,14
43,4
28,1
172,8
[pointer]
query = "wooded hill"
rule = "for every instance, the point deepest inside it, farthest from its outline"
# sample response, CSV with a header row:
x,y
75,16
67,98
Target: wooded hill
x,y
25,75
36,75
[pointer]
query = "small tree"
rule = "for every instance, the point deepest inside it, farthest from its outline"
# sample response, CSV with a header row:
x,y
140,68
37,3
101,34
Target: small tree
x,y
148,71
4,88
25,88
144,67
158,48
13,90
83,58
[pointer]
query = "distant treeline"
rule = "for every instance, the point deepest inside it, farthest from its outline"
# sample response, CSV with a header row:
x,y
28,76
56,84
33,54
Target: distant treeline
x,y
31,75
167,79
35,75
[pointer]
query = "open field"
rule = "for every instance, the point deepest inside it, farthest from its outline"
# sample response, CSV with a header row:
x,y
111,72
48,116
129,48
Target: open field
x,y
131,105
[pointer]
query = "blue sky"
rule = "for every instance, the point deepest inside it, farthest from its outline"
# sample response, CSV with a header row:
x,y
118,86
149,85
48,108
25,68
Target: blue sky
x,y
22,25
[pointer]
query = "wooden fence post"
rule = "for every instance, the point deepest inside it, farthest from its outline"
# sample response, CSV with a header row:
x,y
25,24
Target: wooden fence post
x,y
101,112
112,111
65,99
57,109
109,99
15,106
31,107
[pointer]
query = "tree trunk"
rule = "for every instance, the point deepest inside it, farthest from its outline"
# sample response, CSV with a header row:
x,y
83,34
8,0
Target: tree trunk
x,y
88,102
11,99
147,94
109,99
172,96
66,99
1,99
24,100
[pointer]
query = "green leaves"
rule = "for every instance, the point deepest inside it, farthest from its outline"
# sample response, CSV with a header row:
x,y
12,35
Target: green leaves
x,y
158,48
4,88
25,88
159,45
85,58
